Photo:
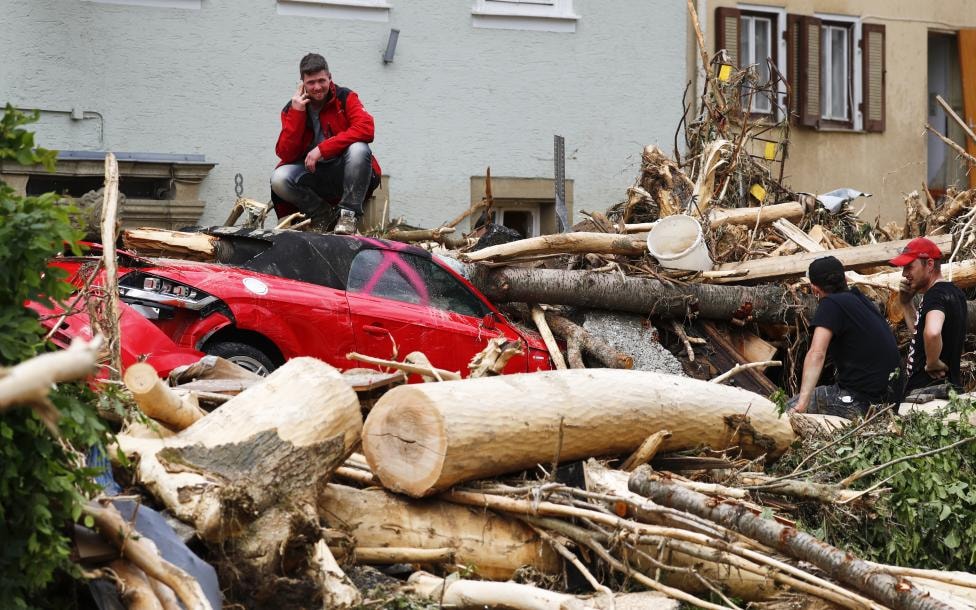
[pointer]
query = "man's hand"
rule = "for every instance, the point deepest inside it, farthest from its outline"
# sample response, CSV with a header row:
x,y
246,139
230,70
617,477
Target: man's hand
x,y
300,99
905,292
801,407
937,369
312,158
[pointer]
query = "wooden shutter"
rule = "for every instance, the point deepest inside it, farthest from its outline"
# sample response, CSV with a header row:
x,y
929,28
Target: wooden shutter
x,y
810,63
727,32
794,90
967,69
873,75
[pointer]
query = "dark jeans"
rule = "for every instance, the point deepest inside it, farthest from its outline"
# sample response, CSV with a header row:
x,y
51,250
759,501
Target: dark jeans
x,y
345,180
833,400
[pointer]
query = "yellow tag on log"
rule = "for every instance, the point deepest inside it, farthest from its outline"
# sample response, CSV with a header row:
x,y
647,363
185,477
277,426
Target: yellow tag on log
x,y
770,152
724,72
758,192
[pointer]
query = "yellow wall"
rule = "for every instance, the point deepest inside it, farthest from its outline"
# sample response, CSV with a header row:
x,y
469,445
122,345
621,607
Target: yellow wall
x,y
886,164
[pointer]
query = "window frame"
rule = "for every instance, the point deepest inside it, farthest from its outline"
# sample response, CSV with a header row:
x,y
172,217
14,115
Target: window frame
x,y
536,15
778,15
747,35
855,97
357,10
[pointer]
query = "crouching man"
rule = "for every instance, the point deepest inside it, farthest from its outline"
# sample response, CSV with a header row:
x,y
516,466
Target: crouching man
x,y
324,150
848,327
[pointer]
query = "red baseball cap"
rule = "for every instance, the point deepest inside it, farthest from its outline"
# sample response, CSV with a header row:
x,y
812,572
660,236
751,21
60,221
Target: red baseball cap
x,y
919,247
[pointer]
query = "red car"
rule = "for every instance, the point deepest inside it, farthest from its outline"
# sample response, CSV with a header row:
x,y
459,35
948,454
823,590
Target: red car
x,y
276,295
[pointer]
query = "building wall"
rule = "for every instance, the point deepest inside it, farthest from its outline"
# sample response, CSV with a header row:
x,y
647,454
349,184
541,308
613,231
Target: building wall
x,y
887,164
455,100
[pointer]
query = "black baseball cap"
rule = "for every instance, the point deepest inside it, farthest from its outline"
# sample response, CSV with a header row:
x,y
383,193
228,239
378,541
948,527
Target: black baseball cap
x,y
826,271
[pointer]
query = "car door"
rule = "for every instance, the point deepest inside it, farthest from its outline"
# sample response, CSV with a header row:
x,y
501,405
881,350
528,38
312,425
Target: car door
x,y
402,302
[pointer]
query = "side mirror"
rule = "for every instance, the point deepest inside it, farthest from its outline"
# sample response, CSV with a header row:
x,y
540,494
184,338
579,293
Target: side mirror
x,y
488,322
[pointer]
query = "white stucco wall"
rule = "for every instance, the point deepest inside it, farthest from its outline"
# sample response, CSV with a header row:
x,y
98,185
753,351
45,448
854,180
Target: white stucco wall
x,y
455,100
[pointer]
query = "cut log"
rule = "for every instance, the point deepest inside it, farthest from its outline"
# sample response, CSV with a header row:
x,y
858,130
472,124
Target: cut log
x,y
211,368
148,241
856,257
422,439
890,591
247,476
563,243
494,545
640,295
159,401
763,215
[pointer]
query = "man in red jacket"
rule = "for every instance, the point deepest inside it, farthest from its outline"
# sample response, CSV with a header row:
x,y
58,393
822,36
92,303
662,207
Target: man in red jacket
x,y
324,151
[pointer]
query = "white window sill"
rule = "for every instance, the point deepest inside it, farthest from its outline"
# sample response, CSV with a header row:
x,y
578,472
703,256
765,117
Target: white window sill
x,y
185,4
336,9
540,19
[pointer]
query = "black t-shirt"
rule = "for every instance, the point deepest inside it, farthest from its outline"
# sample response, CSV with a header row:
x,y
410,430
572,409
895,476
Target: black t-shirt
x,y
947,298
862,347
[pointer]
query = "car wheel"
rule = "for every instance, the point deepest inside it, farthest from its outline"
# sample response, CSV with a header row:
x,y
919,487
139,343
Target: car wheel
x,y
243,355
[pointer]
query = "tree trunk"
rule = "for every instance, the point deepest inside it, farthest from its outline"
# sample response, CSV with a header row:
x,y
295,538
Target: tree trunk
x,y
247,475
639,295
896,593
422,439
782,267
157,400
563,243
791,210
495,545
597,347
161,242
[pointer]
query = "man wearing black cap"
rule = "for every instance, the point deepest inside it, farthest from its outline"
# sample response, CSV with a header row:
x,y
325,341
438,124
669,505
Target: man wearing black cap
x,y
849,327
938,327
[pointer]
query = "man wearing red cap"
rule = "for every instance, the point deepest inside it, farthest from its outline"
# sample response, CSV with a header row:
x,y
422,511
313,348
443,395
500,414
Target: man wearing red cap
x,y
938,327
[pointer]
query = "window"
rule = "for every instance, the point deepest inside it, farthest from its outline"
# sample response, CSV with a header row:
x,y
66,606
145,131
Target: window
x,y
752,36
409,278
755,47
360,10
836,70
191,4
521,218
834,64
541,15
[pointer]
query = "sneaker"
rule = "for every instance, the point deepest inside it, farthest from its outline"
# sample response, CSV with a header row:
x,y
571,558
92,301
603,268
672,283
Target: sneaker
x,y
346,225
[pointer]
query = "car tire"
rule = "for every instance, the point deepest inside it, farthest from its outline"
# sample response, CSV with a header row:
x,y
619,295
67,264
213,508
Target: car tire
x,y
243,355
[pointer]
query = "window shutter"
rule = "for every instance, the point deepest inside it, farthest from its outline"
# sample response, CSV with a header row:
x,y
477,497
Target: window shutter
x,y
873,74
810,62
794,75
727,32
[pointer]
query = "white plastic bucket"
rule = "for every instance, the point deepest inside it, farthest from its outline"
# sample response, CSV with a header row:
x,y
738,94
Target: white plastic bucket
x,y
677,242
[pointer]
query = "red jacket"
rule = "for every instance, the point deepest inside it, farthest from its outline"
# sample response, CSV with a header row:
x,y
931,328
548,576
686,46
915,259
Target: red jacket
x,y
343,123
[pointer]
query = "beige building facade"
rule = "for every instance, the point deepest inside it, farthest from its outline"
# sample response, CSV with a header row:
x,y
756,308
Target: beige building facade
x,y
863,79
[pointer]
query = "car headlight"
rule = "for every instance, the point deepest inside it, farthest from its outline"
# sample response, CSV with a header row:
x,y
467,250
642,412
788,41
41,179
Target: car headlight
x,y
138,288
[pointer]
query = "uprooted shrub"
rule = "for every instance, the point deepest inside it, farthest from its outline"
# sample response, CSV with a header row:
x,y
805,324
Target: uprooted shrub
x,y
927,518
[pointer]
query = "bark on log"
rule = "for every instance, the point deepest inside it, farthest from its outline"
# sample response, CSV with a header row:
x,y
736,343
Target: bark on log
x,y
896,593
563,243
639,295
136,591
422,439
302,421
782,267
495,545
148,241
158,401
